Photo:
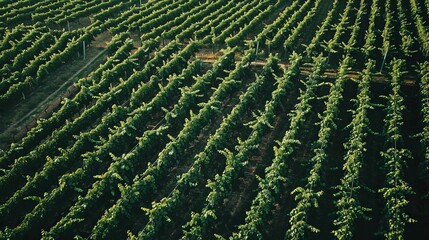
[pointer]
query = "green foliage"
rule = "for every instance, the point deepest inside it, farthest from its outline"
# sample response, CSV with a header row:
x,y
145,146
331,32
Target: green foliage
x,y
396,189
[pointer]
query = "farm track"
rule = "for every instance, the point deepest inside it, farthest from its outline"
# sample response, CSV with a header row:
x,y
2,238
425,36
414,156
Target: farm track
x,y
49,103
330,72
54,104
209,119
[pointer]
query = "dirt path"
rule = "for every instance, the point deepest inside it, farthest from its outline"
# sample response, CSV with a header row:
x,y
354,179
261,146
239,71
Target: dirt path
x,y
54,94
330,73
15,122
58,90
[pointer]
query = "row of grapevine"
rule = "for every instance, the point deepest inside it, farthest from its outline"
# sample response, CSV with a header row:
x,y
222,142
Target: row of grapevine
x,y
371,36
63,163
270,186
21,82
223,21
8,5
66,132
15,12
316,41
251,26
79,11
206,22
395,190
90,160
269,30
297,31
275,42
423,33
156,143
298,224
45,62
307,196
22,44
333,44
123,22
349,208
192,15
78,94
35,183
424,92
13,35
93,85
106,100
221,186
120,169
241,24
195,175
18,61
74,127
407,40
145,184
130,162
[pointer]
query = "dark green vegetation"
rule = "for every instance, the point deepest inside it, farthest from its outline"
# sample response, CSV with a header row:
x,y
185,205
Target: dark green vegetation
x,y
223,119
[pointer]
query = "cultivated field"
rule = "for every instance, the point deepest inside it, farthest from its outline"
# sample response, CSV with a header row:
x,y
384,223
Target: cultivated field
x,y
214,119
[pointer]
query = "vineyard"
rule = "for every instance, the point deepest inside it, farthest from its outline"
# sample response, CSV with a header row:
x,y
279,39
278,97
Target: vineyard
x,y
214,119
